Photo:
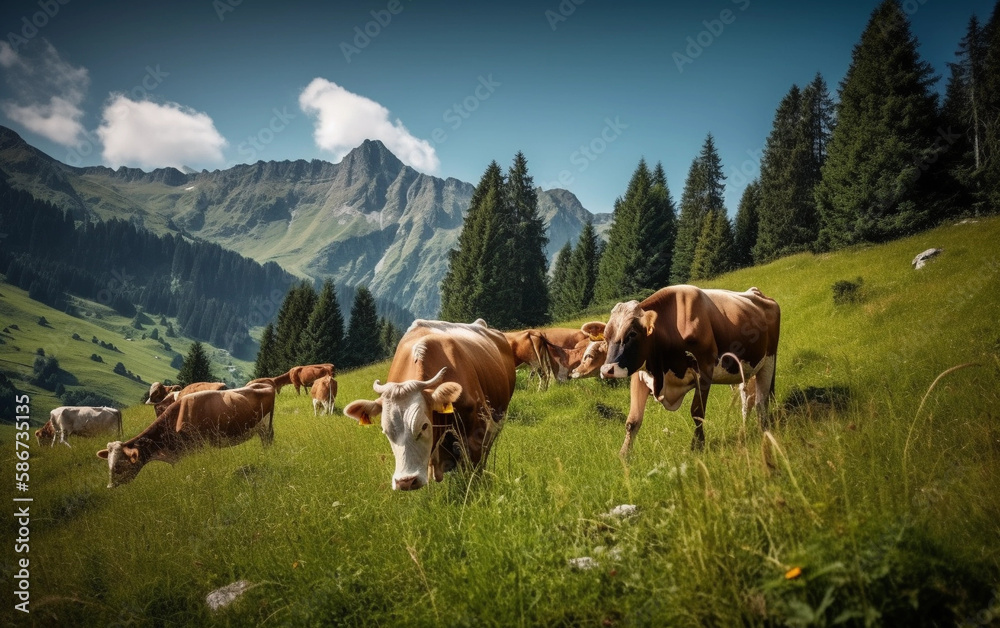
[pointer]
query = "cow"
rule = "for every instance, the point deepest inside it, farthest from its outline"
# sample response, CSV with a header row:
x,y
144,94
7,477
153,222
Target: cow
x,y
82,420
324,394
568,359
688,339
592,359
446,395
278,381
160,396
306,375
529,347
218,417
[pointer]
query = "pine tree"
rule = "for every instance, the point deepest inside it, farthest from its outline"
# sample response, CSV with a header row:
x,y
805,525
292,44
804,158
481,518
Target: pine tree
x,y
703,193
963,115
322,341
657,234
559,289
990,107
196,367
581,274
293,319
529,242
481,281
265,365
389,337
745,230
876,181
363,345
713,254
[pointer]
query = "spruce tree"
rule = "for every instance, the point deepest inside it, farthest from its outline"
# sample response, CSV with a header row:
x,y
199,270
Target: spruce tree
x,y
265,365
531,272
657,233
962,115
560,291
990,107
714,251
389,337
703,193
581,275
363,344
196,367
322,340
293,319
745,229
875,182
617,260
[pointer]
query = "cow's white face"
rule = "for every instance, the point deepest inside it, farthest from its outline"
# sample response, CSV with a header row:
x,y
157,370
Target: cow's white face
x,y
123,463
407,410
592,360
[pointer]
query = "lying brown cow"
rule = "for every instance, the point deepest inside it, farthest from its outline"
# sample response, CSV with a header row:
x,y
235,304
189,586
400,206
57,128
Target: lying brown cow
x,y
448,389
221,418
160,396
689,339
278,382
324,394
306,375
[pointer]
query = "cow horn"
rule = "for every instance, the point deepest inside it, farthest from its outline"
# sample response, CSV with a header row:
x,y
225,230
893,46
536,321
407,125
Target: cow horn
x,y
379,387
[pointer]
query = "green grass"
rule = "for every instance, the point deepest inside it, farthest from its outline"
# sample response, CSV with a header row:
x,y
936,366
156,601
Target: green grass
x,y
145,358
892,514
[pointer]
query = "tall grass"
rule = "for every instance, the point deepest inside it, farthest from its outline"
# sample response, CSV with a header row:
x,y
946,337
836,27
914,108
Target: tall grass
x,y
890,515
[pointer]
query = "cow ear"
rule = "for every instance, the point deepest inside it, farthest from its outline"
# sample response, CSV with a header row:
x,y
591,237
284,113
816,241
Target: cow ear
x,y
103,454
444,396
648,320
363,410
594,329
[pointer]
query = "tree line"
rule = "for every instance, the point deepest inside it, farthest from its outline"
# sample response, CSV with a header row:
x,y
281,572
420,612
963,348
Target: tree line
x,y
310,329
884,161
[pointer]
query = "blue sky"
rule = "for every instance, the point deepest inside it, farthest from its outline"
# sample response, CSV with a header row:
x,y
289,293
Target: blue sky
x,y
584,90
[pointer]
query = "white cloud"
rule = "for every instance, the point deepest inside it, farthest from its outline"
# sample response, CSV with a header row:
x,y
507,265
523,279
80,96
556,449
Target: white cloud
x,y
49,93
153,135
344,120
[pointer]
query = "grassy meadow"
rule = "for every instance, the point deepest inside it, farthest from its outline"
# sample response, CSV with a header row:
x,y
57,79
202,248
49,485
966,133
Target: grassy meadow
x,y
875,500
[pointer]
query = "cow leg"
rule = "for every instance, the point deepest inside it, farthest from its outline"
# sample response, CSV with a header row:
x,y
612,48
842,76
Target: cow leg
x,y
698,410
62,439
639,393
267,429
764,391
315,407
748,396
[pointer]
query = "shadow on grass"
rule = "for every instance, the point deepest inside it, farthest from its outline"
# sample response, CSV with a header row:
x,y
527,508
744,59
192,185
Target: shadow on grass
x,y
817,400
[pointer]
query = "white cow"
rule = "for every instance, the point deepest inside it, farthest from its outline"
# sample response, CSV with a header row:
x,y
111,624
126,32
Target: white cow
x,y
82,420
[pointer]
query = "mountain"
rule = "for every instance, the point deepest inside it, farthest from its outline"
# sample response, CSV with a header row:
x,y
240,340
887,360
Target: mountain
x,y
369,219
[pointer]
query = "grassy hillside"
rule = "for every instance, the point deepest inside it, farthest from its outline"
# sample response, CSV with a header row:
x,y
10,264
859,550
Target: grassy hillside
x,y
147,358
880,509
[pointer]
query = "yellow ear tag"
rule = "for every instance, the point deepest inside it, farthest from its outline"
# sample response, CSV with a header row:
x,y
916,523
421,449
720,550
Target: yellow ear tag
x,y
597,338
448,409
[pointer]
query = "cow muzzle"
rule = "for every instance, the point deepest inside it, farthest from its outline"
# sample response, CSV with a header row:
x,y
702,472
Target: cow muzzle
x,y
613,371
409,483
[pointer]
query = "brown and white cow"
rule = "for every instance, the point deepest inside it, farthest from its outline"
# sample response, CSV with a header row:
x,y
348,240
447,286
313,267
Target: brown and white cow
x,y
448,389
217,417
160,396
688,339
82,420
306,375
278,381
324,394
529,347
569,360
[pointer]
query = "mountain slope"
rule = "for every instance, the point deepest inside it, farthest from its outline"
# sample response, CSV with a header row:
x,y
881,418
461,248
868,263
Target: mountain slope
x,y
369,219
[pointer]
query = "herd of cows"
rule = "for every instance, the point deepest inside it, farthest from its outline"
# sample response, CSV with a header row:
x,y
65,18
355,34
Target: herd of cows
x,y
449,384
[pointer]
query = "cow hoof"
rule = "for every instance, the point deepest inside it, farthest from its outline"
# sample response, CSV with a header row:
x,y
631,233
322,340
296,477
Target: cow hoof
x,y
697,444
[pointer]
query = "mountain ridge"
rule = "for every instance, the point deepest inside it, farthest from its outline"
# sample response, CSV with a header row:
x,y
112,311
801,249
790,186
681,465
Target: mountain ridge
x,y
368,220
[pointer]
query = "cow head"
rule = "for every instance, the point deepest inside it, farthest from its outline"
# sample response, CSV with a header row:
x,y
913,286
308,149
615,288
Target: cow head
x,y
46,431
124,463
627,334
158,392
594,354
407,410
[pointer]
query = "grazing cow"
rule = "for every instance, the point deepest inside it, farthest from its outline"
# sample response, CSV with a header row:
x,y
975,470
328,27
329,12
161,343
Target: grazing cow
x,y
306,375
529,347
82,420
324,394
689,339
160,396
569,358
218,417
279,381
447,392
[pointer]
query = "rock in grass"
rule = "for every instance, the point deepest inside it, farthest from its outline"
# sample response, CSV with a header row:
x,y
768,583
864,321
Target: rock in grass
x,y
623,511
583,563
921,260
221,598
